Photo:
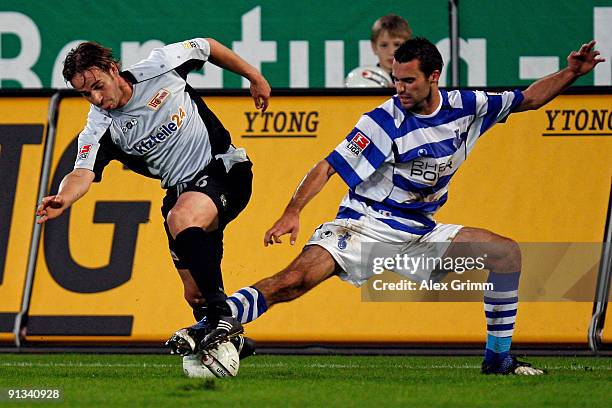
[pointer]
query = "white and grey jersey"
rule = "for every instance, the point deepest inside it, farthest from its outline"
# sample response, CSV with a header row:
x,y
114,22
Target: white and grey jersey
x,y
165,131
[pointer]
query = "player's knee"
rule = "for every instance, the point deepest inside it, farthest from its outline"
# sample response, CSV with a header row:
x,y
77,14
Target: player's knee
x,y
509,256
179,219
513,256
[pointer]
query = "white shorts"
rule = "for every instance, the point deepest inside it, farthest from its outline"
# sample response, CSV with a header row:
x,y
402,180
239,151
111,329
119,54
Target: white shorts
x,y
354,245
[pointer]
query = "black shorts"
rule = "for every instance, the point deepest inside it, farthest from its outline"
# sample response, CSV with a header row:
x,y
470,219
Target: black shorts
x,y
229,191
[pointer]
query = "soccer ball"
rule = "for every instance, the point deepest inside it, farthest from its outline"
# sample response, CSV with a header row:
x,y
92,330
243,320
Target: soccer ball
x,y
368,77
219,362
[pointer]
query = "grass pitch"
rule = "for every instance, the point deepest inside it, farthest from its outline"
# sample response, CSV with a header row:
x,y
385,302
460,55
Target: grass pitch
x,y
300,381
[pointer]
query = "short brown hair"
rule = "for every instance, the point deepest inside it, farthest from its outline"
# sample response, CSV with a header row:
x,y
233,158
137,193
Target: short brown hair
x,y
85,56
424,51
393,24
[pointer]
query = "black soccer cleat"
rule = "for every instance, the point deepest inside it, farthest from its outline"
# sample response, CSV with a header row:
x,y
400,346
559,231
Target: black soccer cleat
x,y
244,345
511,366
185,341
227,328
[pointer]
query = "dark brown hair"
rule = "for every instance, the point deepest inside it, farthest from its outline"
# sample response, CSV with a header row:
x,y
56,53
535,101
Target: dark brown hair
x,y
85,56
393,24
421,49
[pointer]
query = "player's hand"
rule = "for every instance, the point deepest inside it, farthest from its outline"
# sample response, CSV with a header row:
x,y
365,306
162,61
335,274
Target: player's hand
x,y
260,91
50,207
584,60
288,223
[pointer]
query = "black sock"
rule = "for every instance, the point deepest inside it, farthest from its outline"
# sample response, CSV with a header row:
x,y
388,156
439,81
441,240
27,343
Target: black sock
x,y
202,253
199,312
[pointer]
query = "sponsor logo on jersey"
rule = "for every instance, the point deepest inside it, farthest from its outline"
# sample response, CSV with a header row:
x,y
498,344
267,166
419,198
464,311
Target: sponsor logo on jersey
x,y
162,133
190,44
84,151
158,99
428,171
358,144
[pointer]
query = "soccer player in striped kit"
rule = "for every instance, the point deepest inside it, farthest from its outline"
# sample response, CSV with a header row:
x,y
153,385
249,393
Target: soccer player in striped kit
x,y
398,162
150,119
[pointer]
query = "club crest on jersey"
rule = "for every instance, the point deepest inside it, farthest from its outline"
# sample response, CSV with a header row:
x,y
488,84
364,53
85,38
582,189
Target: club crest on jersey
x,y
84,151
158,99
457,140
358,144
342,240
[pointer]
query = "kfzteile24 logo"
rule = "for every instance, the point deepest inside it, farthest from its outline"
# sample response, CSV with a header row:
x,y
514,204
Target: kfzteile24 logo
x,y
281,124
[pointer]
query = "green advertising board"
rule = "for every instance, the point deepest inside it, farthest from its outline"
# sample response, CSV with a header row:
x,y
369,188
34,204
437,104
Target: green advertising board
x,y
304,44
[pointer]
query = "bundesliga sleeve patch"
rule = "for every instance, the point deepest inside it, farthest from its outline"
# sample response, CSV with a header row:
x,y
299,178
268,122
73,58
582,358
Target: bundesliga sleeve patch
x,y
190,44
358,144
84,151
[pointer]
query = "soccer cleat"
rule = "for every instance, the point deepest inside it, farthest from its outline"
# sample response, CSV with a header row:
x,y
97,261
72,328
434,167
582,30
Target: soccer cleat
x,y
185,341
227,328
511,366
244,345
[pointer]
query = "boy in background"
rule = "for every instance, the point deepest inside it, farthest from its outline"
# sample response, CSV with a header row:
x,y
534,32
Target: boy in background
x,y
388,33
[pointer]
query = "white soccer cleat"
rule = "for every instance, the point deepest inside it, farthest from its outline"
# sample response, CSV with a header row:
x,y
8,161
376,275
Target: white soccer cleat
x,y
527,370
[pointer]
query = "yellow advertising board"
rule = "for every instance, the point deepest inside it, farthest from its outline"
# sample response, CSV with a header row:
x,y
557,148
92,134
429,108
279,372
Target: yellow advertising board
x,y
22,125
104,272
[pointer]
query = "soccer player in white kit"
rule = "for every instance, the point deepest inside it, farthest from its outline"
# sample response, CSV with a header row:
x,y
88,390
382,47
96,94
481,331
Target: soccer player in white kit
x,y
397,163
150,119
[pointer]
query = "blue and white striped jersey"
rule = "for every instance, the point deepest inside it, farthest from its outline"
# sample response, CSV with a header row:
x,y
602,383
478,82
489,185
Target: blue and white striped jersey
x,y
399,163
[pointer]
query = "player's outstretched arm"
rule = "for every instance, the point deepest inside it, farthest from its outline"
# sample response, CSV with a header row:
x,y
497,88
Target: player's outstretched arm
x,y
73,186
308,188
545,89
225,58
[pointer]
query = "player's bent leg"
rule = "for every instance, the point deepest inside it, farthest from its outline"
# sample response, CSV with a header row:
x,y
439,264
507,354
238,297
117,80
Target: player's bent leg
x,y
202,252
502,257
193,223
311,267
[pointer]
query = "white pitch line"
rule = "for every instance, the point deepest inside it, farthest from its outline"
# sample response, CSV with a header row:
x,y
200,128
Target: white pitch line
x,y
120,365
273,365
435,367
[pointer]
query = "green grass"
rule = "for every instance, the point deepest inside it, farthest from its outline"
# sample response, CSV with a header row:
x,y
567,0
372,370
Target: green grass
x,y
299,381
